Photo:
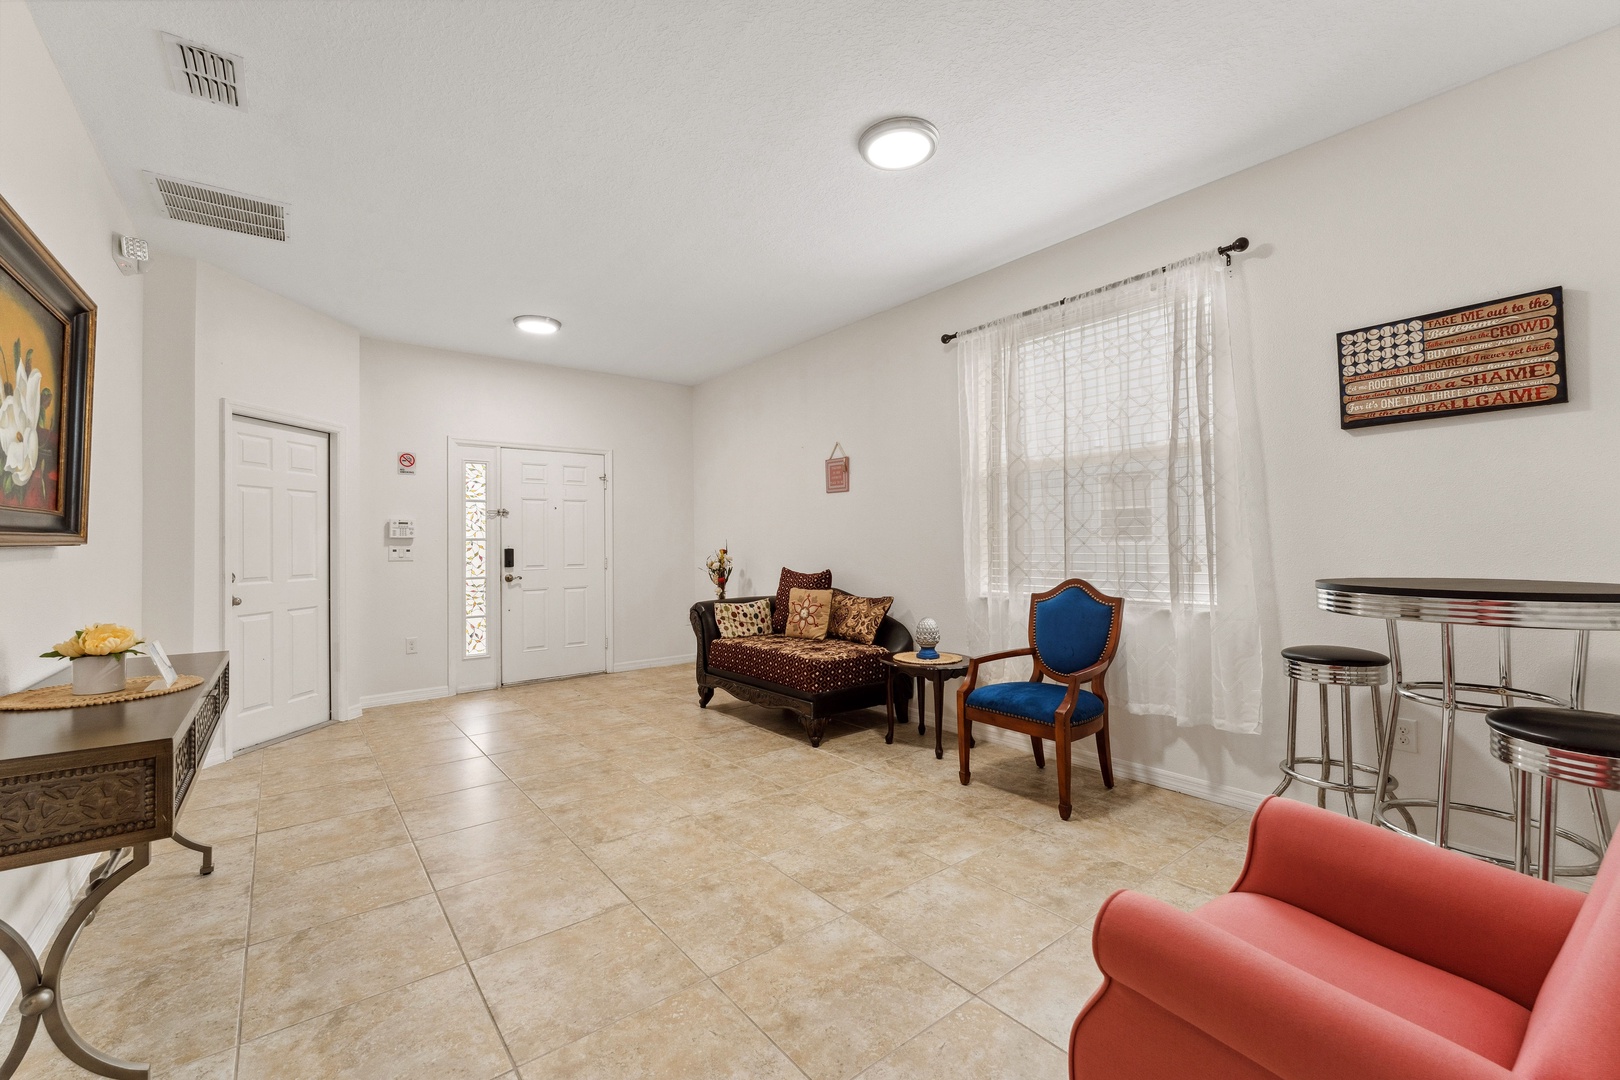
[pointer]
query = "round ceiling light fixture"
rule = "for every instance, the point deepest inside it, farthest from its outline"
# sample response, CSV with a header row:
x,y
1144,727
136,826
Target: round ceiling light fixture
x,y
537,324
900,142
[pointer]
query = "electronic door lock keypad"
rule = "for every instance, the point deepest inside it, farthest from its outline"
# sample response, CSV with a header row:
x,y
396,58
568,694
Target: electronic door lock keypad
x,y
508,557
401,534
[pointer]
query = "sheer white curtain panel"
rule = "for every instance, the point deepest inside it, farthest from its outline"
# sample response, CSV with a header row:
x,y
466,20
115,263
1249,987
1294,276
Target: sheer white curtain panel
x,y
1100,440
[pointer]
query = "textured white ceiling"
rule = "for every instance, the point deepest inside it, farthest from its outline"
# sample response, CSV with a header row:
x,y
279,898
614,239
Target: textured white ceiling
x,y
677,180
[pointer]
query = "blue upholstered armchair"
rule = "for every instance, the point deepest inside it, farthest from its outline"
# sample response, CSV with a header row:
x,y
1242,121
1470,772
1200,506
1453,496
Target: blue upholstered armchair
x,y
1073,635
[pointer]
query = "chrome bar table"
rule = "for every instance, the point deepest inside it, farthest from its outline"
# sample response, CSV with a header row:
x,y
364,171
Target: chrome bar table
x,y
1577,606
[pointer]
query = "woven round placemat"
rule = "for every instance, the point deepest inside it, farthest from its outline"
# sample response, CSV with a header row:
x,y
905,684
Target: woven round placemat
x,y
62,696
943,658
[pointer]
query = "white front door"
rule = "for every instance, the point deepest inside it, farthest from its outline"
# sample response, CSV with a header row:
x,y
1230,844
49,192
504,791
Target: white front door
x,y
277,580
551,568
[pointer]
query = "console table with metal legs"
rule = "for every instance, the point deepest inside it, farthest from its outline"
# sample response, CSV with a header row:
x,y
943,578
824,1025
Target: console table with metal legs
x,y
1576,606
106,779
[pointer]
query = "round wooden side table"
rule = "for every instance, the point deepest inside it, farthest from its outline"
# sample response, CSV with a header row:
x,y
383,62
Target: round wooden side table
x,y
905,665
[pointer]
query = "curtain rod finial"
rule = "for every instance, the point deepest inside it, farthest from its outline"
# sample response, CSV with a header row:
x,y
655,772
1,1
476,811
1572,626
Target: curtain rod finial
x,y
1240,244
946,339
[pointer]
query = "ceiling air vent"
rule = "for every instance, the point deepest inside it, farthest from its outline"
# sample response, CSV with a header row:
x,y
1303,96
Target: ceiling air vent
x,y
201,72
233,211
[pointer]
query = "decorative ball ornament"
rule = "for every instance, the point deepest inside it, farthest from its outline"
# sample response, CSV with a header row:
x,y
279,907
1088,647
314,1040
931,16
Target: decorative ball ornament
x,y
927,637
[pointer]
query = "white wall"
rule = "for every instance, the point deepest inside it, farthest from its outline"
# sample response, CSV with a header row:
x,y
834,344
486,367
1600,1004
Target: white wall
x,y
169,453
1499,187
417,399
50,174
216,339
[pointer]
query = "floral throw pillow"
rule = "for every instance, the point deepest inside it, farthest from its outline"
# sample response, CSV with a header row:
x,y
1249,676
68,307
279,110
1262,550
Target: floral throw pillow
x,y
790,580
748,619
857,618
809,611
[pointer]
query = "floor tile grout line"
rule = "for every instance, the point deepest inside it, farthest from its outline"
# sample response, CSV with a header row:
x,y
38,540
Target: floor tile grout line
x,y
247,933
889,775
483,998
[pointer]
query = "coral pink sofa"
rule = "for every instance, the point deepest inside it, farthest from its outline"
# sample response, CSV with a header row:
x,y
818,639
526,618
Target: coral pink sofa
x,y
1345,952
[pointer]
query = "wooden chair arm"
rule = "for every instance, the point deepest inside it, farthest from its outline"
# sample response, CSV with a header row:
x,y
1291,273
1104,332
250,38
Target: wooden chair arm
x,y
972,679
1086,676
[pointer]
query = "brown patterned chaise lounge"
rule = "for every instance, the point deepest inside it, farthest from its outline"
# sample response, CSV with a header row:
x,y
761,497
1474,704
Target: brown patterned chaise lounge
x,y
815,679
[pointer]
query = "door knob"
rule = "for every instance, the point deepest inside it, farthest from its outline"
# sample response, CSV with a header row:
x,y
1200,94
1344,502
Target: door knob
x,y
236,601
514,577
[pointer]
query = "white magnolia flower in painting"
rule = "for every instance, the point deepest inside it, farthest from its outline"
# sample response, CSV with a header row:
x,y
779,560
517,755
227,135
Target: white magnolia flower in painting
x,y
19,428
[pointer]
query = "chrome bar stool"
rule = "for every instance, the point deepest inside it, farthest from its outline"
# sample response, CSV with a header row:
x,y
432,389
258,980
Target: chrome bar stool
x,y
1344,667
1571,745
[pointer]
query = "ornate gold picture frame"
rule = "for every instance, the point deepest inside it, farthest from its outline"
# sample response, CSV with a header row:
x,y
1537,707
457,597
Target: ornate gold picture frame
x,y
47,372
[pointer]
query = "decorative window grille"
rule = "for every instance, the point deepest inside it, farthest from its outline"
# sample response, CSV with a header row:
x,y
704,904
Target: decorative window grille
x,y
475,502
1101,488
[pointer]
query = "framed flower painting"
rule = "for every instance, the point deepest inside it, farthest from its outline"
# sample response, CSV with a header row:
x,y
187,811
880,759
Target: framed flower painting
x,y
47,363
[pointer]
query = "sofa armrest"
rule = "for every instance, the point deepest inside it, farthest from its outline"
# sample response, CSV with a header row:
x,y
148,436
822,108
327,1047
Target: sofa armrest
x,y
1282,1018
892,635
1478,921
704,626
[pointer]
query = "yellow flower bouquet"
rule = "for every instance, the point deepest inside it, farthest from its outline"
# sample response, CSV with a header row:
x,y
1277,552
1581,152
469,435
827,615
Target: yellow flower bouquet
x,y
98,652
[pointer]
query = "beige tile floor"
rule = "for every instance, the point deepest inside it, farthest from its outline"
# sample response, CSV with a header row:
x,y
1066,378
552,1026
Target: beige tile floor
x,y
595,878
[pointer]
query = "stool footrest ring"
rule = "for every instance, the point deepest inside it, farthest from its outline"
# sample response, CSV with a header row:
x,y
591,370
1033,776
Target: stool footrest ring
x,y
1585,844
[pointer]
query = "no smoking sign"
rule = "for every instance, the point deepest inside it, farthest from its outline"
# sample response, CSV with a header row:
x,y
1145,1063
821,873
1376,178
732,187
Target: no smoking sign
x,y
407,463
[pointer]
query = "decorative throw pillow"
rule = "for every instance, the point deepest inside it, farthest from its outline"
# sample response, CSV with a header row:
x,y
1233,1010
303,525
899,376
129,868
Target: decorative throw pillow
x,y
748,619
792,579
856,618
808,612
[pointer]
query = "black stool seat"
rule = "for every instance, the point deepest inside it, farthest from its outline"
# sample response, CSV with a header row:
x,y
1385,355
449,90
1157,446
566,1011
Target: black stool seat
x,y
1568,729
1341,655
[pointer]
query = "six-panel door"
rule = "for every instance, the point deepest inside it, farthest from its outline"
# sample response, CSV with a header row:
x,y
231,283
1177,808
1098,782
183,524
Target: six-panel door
x,y
553,595
278,579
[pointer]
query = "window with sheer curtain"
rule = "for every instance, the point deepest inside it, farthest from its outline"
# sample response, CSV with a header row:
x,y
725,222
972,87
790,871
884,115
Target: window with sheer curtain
x,y
1100,441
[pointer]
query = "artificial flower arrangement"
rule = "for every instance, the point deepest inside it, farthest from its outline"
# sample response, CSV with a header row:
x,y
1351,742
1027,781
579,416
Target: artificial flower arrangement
x,y
98,653
719,565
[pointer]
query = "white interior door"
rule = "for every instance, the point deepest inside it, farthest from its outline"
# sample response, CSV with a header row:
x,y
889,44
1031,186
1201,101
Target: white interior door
x,y
551,568
278,580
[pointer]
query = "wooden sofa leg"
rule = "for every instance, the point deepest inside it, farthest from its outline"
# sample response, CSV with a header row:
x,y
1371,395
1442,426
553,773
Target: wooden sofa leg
x,y
815,728
705,693
1040,751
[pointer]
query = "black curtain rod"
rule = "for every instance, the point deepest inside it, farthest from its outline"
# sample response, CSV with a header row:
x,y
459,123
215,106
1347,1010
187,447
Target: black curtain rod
x,y
1240,244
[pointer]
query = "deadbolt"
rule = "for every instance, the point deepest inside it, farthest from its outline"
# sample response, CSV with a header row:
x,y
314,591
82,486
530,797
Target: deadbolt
x,y
236,601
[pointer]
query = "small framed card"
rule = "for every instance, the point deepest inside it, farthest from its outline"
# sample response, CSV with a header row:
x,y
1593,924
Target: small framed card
x,y
161,659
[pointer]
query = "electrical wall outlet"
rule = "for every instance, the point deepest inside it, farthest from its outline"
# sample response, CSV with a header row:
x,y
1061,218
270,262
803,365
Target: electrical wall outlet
x,y
1406,737
400,554
410,646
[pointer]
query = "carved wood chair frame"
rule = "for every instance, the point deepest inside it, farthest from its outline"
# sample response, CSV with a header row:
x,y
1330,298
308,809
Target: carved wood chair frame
x,y
1061,731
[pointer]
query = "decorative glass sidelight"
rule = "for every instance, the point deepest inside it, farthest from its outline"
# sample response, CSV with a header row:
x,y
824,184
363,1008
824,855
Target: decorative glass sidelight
x,y
475,567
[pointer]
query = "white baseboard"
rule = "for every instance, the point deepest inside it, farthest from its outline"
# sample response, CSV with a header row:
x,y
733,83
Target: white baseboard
x,y
661,661
398,697
1086,754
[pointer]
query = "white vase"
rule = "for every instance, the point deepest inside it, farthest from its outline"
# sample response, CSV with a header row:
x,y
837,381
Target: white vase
x,y
98,674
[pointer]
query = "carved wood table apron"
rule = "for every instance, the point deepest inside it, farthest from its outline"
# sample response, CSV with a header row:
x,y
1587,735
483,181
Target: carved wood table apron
x,y
925,672
1578,606
103,778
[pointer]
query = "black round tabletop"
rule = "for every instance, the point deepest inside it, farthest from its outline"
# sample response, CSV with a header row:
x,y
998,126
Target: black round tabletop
x,y
1505,589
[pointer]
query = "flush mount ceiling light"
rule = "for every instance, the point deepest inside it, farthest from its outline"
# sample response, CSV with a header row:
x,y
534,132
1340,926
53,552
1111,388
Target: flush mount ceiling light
x,y
900,142
537,324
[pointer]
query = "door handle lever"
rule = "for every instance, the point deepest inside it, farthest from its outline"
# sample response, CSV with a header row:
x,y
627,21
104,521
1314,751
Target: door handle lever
x,y
514,577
